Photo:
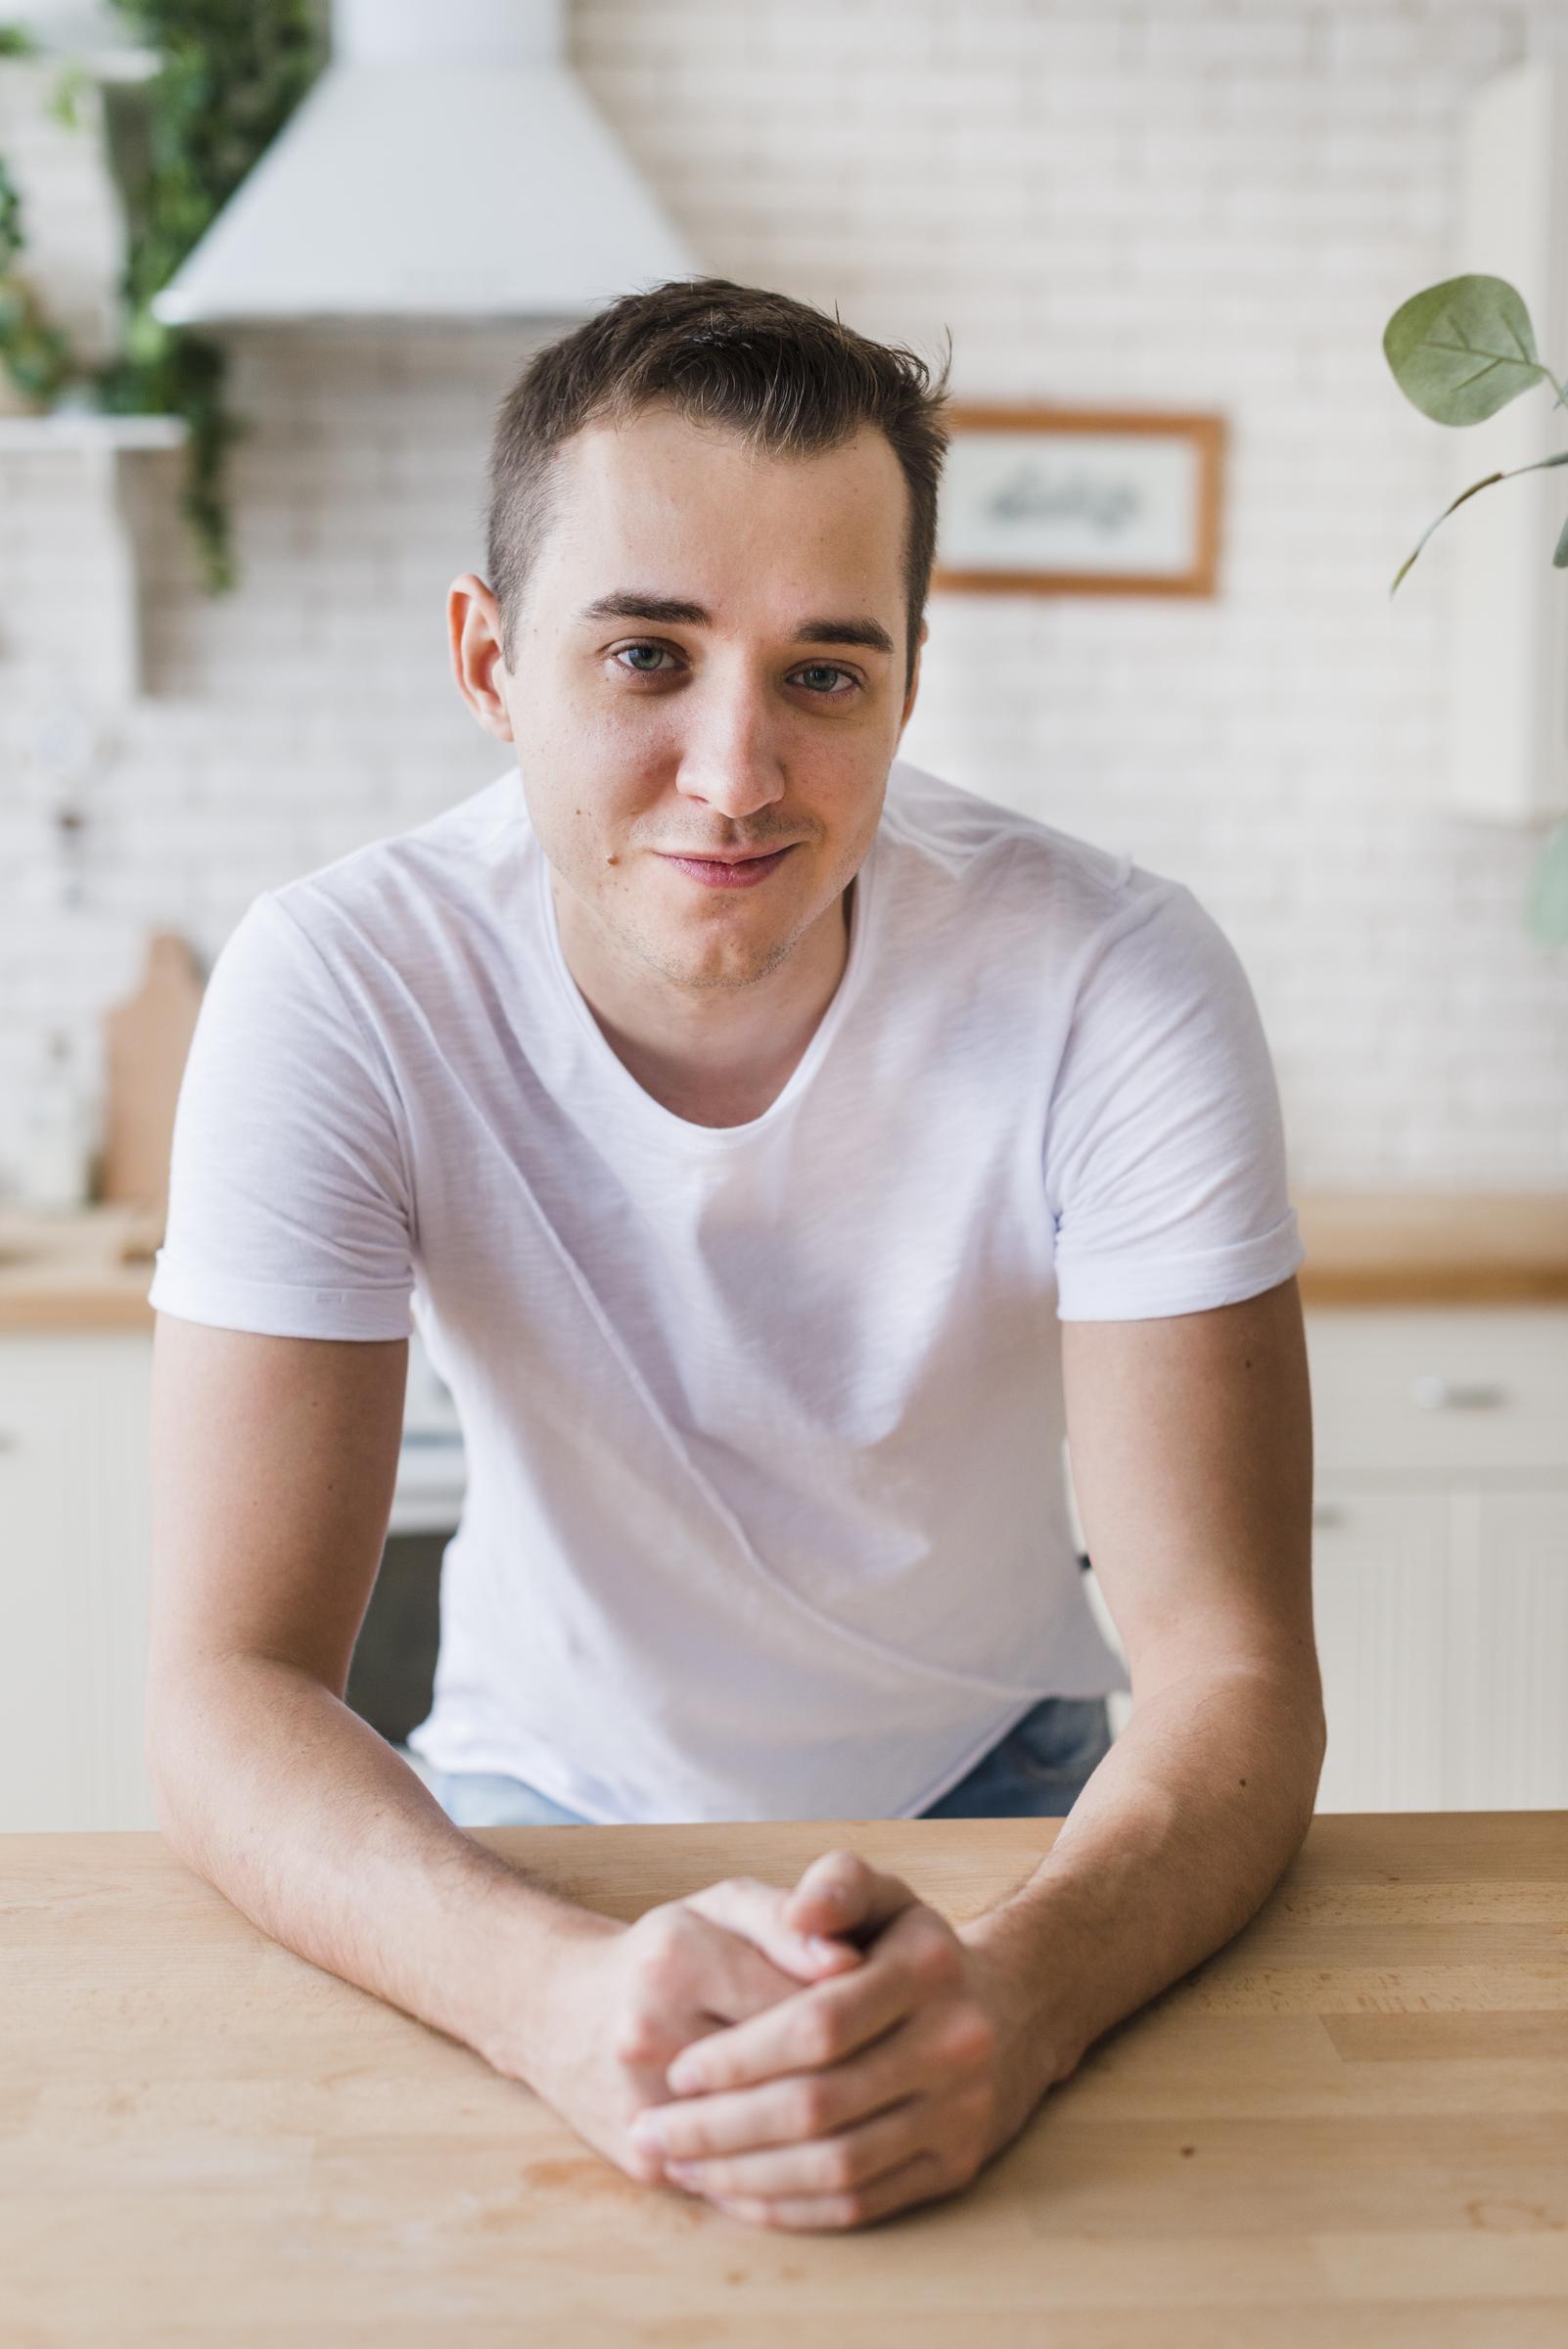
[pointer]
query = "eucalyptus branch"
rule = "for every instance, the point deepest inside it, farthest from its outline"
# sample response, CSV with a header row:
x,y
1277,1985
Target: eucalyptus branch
x,y
1560,558
1433,343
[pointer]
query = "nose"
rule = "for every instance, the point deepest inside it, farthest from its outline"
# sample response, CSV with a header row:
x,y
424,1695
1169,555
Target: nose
x,y
730,756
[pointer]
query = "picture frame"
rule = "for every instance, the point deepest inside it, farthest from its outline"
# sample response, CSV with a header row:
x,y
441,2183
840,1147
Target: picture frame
x,y
1046,500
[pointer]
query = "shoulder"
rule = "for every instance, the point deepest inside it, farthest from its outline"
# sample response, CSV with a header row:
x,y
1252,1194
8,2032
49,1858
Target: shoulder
x,y
1072,897
395,896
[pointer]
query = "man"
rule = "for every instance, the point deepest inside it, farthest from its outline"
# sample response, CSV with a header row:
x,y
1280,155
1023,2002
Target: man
x,y
768,1228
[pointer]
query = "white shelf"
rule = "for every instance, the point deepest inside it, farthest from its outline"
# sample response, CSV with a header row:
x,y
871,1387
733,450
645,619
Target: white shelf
x,y
100,442
85,33
69,429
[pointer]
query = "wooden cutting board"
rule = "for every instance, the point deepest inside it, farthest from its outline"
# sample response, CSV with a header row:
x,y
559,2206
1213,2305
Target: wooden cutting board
x,y
146,1040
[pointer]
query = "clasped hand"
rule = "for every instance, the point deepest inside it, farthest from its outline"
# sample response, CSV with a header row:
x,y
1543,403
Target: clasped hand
x,y
908,2057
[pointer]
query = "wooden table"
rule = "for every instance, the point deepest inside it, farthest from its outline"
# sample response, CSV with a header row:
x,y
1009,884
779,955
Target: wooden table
x,y
1350,2127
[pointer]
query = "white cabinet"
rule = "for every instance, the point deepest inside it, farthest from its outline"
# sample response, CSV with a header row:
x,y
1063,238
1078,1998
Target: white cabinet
x,y
1506,1612
1442,1617
74,1554
1377,1605
1440,1556
75,1559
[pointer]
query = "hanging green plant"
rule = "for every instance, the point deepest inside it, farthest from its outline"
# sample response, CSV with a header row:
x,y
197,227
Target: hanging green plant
x,y
36,354
181,142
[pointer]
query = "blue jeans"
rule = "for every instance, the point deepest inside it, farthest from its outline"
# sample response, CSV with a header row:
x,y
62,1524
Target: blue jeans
x,y
1037,1771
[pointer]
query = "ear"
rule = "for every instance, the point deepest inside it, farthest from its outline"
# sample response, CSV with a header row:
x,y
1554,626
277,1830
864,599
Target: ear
x,y
474,633
915,681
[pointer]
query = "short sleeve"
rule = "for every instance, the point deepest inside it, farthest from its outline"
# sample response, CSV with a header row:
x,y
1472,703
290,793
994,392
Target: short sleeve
x,y
289,1210
1164,1149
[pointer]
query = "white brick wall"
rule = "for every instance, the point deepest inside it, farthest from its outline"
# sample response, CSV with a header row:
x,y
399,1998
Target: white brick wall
x,y
1177,203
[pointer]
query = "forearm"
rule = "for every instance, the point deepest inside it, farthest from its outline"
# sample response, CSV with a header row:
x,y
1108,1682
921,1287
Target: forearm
x,y
1174,1843
306,1820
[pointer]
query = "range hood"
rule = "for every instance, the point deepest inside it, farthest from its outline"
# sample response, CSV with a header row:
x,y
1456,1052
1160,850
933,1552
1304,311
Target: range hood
x,y
446,164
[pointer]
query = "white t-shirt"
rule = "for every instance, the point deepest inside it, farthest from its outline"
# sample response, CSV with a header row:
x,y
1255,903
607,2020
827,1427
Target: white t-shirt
x,y
766,1513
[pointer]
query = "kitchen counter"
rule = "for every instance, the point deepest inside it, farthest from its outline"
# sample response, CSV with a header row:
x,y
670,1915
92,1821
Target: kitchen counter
x,y
1345,2128
73,1273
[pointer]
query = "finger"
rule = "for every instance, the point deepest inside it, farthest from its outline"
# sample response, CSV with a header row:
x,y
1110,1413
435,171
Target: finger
x,y
917,2180
705,1979
902,2065
753,1911
727,1981
819,2165
841,1892
723,1980
818,2025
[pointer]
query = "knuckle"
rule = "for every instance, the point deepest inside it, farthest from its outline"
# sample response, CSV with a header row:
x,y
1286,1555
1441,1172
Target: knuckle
x,y
810,2107
634,2040
658,1969
971,2036
939,1955
661,1949
659,1929
821,2035
836,2166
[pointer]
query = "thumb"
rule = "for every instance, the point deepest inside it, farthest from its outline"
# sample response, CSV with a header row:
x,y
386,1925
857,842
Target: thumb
x,y
840,1893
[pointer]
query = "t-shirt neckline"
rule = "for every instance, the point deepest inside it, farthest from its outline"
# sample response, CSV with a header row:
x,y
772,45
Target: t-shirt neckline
x,y
640,1103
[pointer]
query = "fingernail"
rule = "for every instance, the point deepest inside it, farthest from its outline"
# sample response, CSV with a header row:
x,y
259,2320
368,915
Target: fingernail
x,y
821,1946
647,2134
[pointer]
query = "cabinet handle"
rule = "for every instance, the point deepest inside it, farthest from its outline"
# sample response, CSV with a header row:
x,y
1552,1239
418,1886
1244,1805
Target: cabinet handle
x,y
1453,1395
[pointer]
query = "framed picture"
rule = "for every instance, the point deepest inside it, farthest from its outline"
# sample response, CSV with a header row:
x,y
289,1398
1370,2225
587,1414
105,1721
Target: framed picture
x,y
1080,501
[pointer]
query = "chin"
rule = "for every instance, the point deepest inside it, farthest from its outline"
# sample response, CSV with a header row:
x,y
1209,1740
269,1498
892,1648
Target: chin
x,y
737,963
734,960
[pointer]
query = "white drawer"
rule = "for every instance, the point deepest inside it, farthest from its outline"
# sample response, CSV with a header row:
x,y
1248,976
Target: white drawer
x,y
1450,1390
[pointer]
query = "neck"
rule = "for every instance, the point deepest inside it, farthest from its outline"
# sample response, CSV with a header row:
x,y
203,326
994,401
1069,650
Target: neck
x,y
717,1055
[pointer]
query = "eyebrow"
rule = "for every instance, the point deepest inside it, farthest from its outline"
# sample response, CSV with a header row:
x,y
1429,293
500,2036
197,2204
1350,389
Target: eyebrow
x,y
856,628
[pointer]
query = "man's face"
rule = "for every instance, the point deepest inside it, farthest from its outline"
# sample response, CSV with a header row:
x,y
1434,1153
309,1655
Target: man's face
x,y
729,713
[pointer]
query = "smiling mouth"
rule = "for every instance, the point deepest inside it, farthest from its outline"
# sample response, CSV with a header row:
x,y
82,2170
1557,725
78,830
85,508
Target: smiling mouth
x,y
745,869
715,856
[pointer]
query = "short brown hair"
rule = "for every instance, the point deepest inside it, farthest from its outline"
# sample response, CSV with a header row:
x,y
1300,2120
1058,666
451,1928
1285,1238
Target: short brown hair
x,y
780,373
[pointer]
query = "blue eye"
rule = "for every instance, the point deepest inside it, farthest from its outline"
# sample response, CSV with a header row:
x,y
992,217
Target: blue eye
x,y
814,668
643,648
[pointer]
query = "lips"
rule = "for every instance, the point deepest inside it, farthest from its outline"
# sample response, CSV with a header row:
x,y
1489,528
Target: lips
x,y
733,872
712,856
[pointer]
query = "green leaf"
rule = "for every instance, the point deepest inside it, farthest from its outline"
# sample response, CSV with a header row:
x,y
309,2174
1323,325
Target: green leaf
x,y
1548,921
228,80
1462,350
72,80
1559,456
1560,557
